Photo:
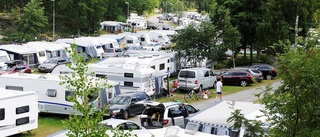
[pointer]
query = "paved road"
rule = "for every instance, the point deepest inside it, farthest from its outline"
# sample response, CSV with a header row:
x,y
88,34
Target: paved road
x,y
245,95
155,20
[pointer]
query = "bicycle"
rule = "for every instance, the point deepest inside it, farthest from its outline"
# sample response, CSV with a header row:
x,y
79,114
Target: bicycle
x,y
191,95
201,94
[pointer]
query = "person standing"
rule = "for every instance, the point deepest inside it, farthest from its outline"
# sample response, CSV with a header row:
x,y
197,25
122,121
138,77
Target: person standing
x,y
219,89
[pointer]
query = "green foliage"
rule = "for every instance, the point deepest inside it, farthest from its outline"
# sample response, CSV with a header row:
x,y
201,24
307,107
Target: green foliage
x,y
293,108
33,21
253,127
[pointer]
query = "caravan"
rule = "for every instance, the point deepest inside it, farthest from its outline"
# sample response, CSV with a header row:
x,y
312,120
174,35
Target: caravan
x,y
3,58
18,111
157,62
52,49
83,46
52,96
130,77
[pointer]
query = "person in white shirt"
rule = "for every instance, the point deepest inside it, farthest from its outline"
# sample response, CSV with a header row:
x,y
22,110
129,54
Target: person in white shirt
x,y
219,88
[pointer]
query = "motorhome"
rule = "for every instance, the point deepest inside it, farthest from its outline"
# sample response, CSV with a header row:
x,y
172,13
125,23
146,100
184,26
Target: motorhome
x,y
130,77
30,55
155,61
52,96
53,49
3,58
18,111
83,46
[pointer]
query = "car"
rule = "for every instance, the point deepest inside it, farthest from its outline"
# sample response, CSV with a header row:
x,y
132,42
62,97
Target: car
x,y
126,126
13,66
161,20
165,27
237,77
48,65
253,71
128,104
152,26
268,71
159,115
196,79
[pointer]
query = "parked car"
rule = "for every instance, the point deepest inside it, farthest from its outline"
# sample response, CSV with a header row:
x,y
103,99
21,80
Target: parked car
x,y
196,78
268,71
13,66
159,115
48,65
128,104
253,71
240,77
126,126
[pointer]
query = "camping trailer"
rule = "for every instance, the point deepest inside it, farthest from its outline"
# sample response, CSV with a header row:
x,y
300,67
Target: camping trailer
x,y
157,62
53,49
52,96
18,111
83,46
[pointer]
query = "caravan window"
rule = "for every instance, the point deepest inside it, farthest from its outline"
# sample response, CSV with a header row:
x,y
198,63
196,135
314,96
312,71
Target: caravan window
x,y
101,76
22,121
15,88
128,75
41,54
161,67
2,114
142,39
68,93
126,83
129,41
23,109
154,67
52,92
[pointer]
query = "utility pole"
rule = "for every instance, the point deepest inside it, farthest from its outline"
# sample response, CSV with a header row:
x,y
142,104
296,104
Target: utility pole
x,y
53,19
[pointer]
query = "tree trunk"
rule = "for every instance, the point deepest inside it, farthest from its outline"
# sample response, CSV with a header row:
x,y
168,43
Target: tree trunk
x,y
251,55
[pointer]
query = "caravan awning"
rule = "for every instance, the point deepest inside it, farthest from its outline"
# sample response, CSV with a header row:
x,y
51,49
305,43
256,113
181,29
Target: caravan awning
x,y
19,49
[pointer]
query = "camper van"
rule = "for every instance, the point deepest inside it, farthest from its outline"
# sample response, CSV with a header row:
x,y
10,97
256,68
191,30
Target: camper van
x,y
18,111
3,58
52,97
130,77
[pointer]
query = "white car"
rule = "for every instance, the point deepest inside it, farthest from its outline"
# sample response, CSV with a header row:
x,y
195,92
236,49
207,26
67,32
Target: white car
x,y
125,125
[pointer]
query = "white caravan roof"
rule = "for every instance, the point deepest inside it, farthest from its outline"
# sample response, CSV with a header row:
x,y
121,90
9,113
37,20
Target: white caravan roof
x,y
78,42
145,59
18,49
219,113
49,46
122,68
113,60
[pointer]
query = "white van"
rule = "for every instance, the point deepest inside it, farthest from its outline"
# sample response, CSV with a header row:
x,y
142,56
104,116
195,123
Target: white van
x,y
196,79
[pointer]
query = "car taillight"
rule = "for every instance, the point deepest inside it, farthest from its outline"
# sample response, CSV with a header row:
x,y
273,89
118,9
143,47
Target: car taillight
x,y
274,69
260,76
165,122
196,82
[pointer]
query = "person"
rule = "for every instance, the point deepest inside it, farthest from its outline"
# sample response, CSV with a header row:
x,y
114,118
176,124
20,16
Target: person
x,y
219,89
113,115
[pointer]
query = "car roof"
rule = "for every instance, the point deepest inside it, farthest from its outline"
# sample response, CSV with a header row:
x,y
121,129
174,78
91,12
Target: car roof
x,y
194,69
114,122
165,104
14,62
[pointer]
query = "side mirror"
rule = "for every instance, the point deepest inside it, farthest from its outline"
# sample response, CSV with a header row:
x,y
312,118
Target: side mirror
x,y
197,110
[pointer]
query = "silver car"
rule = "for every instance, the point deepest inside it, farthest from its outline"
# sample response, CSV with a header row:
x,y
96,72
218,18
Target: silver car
x,y
48,65
253,71
159,115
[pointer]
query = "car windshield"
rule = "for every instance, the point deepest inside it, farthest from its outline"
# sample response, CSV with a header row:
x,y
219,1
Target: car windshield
x,y
52,60
121,100
7,68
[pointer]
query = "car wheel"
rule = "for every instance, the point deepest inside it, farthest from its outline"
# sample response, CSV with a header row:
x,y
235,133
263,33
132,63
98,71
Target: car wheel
x,y
125,114
243,83
268,77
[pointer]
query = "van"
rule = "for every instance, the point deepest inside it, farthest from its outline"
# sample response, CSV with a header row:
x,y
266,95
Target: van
x,y
196,79
159,115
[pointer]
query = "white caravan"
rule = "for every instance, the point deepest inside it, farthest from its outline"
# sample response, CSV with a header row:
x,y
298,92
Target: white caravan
x,y
52,97
158,63
109,46
156,36
3,58
53,49
144,39
130,77
120,39
83,46
18,111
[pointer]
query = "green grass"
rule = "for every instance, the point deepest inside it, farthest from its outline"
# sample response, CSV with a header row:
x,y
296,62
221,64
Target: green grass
x,y
47,125
226,91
